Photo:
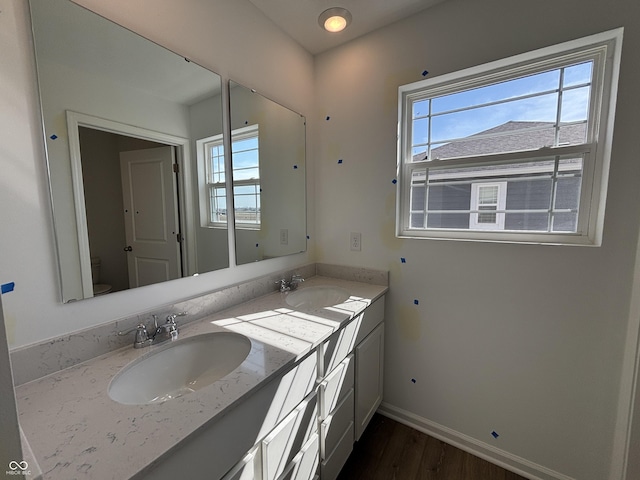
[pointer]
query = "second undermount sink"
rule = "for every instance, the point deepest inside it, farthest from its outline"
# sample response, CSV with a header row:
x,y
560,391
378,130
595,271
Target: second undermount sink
x,y
317,297
181,367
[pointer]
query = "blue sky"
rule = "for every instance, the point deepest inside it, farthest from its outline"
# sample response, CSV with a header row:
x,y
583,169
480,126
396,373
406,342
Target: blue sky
x,y
541,108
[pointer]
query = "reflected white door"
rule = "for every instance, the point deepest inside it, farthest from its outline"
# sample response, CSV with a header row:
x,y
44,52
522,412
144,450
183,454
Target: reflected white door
x,y
151,215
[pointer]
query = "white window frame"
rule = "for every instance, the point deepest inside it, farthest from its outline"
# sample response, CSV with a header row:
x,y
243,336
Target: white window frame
x,y
605,50
204,174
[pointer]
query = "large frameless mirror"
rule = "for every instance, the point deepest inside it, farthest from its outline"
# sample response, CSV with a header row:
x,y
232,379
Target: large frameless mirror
x,y
268,169
123,120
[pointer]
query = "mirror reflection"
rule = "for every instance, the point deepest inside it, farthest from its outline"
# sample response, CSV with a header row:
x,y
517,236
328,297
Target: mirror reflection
x,y
123,119
268,170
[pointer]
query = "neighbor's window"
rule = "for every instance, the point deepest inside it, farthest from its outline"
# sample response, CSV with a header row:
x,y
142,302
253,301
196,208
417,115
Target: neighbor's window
x,y
246,178
516,150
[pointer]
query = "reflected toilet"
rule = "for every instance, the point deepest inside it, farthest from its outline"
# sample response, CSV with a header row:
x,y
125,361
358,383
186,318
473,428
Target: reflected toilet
x,y
98,288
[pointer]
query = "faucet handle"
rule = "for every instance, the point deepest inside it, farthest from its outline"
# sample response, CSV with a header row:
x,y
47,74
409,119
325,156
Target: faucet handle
x,y
172,317
283,285
137,329
142,336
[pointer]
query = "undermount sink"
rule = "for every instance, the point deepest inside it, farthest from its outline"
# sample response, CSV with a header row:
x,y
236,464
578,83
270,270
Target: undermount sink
x,y
317,297
181,367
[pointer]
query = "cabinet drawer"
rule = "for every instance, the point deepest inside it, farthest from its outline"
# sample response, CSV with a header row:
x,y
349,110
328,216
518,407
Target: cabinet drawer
x,y
247,468
305,464
341,343
371,318
333,428
337,347
294,386
330,468
335,387
286,440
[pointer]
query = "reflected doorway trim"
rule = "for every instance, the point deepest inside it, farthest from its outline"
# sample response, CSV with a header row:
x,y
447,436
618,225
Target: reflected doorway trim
x,y
76,120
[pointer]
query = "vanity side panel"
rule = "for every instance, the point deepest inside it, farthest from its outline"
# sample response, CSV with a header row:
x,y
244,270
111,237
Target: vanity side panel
x,y
10,446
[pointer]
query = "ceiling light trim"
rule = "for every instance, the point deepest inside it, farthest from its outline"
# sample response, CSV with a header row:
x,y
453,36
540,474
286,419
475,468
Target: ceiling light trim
x,y
335,19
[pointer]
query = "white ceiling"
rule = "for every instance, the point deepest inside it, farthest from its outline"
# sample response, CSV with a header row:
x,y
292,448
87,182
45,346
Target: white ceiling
x,y
299,18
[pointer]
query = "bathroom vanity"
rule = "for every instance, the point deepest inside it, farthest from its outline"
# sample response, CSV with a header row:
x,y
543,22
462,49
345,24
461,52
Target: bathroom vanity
x,y
292,409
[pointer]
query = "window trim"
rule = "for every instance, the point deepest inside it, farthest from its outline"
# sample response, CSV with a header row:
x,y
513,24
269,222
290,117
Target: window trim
x,y
605,49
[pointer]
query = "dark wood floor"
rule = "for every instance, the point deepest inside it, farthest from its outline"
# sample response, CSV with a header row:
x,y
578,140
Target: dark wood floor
x,y
389,450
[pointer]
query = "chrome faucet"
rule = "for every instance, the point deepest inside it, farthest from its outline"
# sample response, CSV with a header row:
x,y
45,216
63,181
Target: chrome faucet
x,y
288,285
162,333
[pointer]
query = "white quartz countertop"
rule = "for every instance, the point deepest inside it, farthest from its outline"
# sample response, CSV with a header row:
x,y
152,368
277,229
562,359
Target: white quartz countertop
x,y
77,431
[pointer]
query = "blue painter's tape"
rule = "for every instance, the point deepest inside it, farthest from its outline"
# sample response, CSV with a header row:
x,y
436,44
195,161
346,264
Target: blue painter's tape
x,y
494,434
416,302
7,287
394,181
403,260
425,73
53,137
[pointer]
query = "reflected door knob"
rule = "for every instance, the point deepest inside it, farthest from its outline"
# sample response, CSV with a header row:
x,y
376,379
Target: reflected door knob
x,y
128,249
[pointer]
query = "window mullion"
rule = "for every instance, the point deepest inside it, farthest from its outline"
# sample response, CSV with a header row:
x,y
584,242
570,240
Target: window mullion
x,y
552,200
559,108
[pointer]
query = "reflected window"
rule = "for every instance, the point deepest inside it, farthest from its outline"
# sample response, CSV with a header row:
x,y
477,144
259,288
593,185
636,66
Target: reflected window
x,y
246,178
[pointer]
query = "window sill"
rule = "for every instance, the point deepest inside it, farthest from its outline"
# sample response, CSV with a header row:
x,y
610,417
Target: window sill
x,y
526,238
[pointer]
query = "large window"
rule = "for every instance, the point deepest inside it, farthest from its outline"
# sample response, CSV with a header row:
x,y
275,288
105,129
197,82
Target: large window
x,y
516,150
246,178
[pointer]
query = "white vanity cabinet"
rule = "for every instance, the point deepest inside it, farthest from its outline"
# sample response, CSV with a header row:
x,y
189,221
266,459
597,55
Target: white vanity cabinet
x,y
350,386
287,436
311,424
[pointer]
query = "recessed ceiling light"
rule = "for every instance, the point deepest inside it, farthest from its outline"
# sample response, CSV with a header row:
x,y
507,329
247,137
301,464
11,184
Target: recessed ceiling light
x,y
335,19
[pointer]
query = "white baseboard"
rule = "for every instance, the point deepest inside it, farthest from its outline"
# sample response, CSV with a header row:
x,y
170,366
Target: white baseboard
x,y
475,447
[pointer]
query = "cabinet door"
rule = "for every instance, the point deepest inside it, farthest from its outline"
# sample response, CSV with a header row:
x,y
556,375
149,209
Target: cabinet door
x,y
369,370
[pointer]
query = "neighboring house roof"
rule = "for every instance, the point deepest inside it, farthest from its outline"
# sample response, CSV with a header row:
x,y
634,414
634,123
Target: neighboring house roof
x,y
509,137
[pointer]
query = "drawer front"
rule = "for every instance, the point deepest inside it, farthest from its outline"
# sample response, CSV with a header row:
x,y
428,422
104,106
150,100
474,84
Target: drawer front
x,y
247,468
371,318
341,343
305,464
337,347
330,468
335,387
333,428
286,440
294,386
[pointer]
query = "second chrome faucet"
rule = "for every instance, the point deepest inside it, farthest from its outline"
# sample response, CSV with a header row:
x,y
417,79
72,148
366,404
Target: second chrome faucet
x,y
288,285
